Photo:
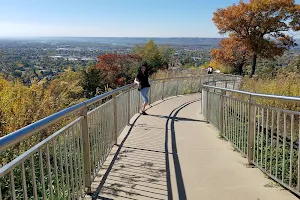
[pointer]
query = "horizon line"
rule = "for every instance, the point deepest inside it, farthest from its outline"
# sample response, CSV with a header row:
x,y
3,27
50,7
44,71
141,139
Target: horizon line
x,y
141,37
105,37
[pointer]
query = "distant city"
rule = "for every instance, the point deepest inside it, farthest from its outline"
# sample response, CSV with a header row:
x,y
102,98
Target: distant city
x,y
29,58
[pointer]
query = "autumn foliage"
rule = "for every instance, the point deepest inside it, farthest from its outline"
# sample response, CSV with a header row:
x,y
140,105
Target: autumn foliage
x,y
260,25
118,69
233,53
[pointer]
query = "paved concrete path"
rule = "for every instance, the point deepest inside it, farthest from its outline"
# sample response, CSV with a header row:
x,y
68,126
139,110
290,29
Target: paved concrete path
x,y
173,154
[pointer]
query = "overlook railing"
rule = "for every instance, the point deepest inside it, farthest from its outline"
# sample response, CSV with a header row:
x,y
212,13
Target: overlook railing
x,y
259,127
63,165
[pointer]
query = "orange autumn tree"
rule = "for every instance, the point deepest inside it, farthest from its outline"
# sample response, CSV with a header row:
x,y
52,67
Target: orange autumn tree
x,y
261,25
231,53
296,19
118,69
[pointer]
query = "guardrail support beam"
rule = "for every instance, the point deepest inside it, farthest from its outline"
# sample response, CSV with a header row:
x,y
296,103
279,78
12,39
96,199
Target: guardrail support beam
x,y
86,150
115,132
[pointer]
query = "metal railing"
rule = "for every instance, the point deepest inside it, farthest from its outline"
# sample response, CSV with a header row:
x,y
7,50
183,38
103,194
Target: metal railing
x,y
63,165
267,134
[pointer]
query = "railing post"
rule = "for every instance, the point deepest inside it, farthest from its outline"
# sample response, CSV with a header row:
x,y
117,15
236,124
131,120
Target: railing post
x,y
251,130
177,86
200,84
163,90
222,112
207,107
191,84
129,106
150,94
139,102
115,132
86,150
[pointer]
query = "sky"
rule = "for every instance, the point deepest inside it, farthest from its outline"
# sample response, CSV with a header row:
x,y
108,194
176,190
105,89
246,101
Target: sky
x,y
110,18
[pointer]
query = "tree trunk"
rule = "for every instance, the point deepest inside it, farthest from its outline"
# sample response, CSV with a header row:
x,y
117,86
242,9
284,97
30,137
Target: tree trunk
x,y
253,65
240,68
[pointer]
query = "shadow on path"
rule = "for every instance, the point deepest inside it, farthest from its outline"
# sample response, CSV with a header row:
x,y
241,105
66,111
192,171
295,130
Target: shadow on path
x,y
178,174
140,168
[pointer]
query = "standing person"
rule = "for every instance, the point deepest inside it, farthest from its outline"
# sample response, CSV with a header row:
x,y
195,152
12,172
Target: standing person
x,y
142,79
210,70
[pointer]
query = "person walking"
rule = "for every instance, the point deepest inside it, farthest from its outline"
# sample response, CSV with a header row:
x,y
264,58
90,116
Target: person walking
x,y
142,80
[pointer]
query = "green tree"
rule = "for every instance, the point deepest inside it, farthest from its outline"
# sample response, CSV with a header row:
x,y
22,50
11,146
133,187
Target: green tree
x,y
93,82
156,57
17,73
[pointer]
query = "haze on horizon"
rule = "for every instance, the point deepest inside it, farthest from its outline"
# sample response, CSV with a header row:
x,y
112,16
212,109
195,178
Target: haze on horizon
x,y
114,18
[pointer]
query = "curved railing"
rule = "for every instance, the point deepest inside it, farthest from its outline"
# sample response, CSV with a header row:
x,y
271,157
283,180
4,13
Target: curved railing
x,y
63,164
258,126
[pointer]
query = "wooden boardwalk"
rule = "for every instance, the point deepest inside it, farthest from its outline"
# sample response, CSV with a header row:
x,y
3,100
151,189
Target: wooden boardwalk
x,y
174,154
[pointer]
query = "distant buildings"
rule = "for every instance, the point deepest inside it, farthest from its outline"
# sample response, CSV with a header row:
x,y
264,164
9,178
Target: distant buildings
x,y
71,58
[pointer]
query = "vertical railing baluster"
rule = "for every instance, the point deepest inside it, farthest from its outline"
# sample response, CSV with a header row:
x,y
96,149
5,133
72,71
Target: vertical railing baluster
x,y
49,171
267,139
115,108
277,142
67,165
200,84
75,133
207,105
251,130
129,104
298,178
24,181
230,119
291,150
244,132
284,143
34,187
79,160
177,86
12,182
235,122
71,151
42,174
258,135
272,132
150,94
262,136
61,169
0,191
55,168
191,84
221,114
163,90
240,125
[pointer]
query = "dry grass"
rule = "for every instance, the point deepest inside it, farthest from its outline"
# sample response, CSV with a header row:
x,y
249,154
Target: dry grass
x,y
282,84
161,74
